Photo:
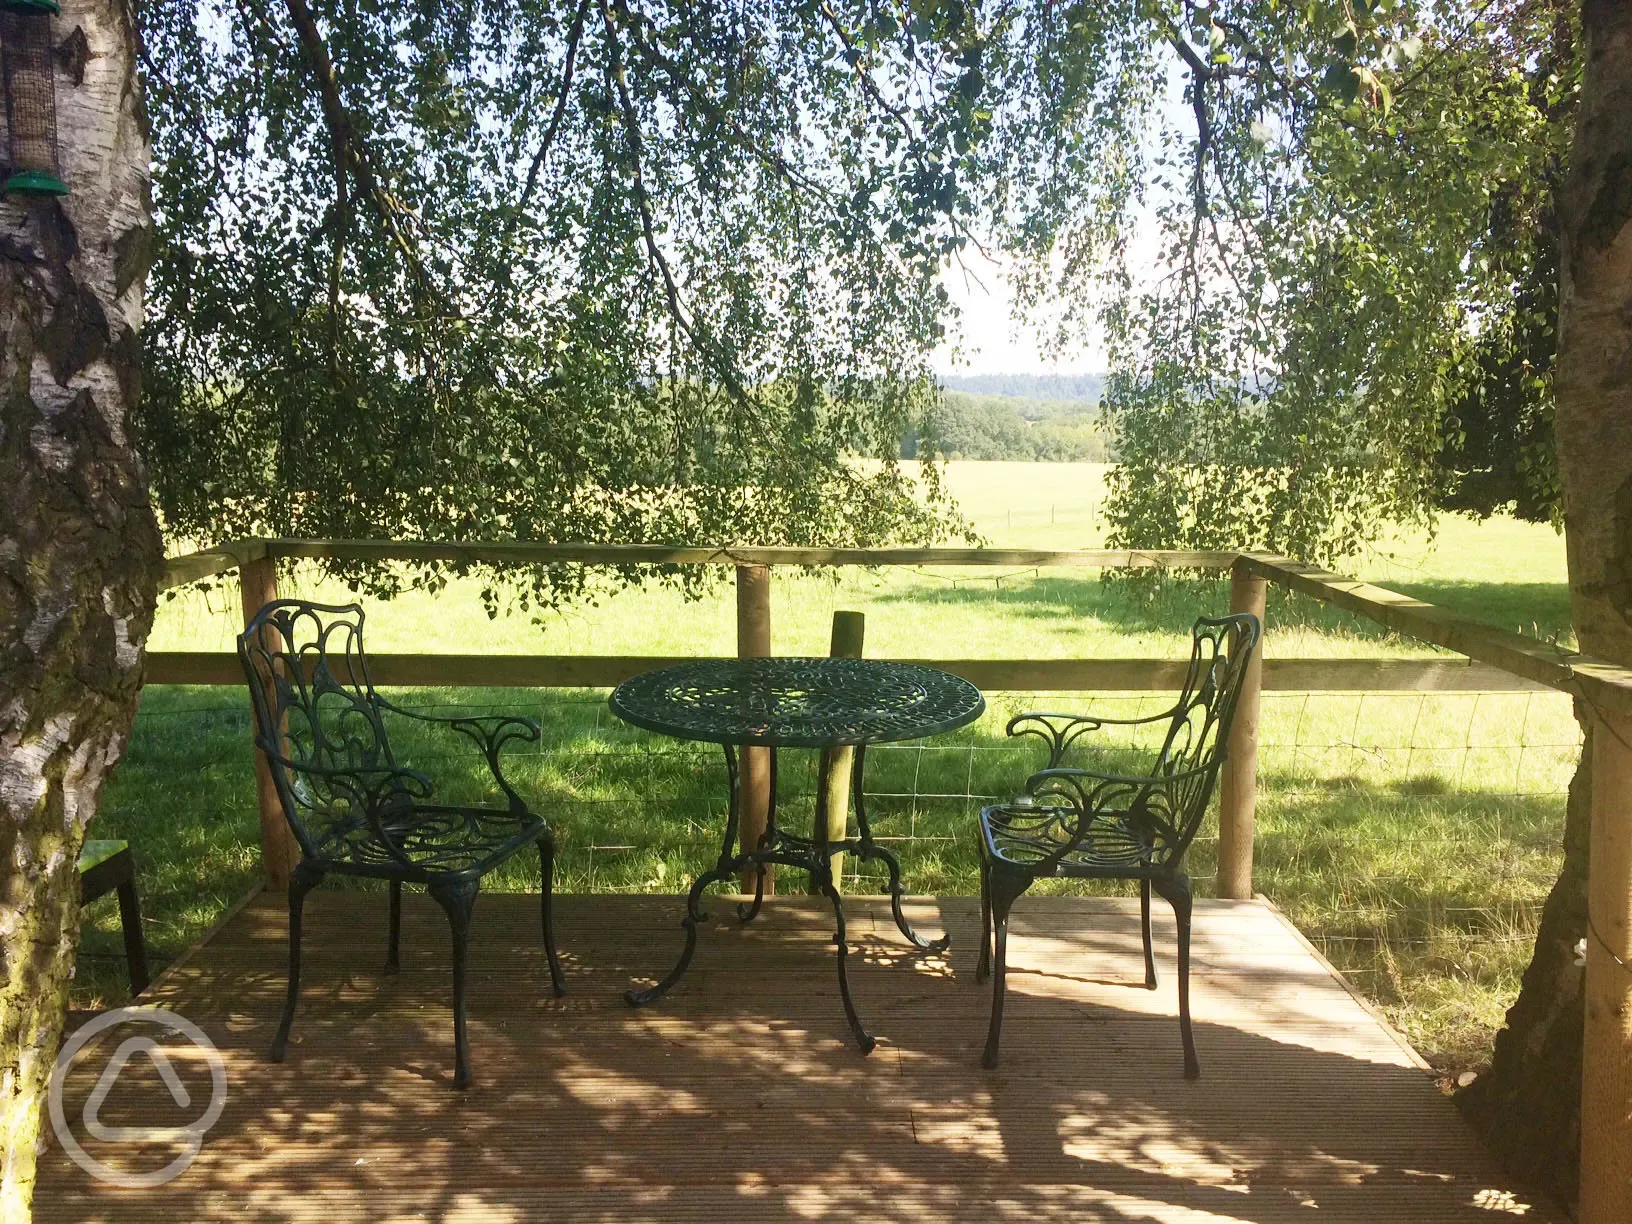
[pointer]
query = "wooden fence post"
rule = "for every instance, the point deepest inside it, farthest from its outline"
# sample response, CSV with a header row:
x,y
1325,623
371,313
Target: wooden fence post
x,y
754,641
1606,1055
849,634
1238,789
258,581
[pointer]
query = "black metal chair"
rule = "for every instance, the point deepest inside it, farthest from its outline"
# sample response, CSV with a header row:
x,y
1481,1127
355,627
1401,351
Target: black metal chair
x,y
355,809
1088,824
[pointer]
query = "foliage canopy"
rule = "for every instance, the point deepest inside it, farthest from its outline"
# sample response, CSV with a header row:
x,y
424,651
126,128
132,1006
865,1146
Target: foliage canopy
x,y
625,270
591,269
1342,325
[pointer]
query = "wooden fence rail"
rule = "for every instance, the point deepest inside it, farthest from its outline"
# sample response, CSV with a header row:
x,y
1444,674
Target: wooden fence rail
x,y
477,553
1497,660
1494,660
996,675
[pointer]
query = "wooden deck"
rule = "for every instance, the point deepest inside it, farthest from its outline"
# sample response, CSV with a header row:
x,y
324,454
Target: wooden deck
x,y
740,1097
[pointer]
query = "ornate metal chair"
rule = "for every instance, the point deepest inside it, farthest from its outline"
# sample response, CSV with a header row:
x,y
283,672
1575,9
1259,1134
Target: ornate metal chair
x,y
1097,825
355,809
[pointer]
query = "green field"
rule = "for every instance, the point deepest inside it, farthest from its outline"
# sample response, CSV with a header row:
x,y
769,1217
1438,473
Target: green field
x,y
1411,836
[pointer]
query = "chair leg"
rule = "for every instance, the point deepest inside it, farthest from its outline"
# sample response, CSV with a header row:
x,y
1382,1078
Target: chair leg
x,y
983,966
1004,889
130,922
1144,922
546,865
458,899
393,961
304,878
1177,893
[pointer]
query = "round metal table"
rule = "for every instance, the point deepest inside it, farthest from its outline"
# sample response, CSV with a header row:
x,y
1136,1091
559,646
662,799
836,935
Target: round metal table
x,y
823,703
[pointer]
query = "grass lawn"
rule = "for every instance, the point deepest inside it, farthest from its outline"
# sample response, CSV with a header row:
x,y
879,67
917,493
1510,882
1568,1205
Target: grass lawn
x,y
1411,836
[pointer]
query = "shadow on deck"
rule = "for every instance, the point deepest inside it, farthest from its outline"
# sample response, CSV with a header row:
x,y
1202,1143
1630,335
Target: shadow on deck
x,y
740,1096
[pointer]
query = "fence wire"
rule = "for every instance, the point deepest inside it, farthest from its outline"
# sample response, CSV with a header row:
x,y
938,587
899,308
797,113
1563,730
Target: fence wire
x,y
1411,836
1426,773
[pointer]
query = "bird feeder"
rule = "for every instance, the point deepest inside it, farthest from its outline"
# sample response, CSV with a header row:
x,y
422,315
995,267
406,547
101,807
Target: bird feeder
x,y
31,97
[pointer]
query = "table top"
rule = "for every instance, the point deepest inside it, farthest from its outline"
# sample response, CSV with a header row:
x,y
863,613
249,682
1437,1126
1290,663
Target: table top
x,y
797,703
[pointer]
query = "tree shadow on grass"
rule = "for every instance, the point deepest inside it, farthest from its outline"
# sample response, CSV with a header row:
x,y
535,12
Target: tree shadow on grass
x,y
1082,595
1536,609
1145,603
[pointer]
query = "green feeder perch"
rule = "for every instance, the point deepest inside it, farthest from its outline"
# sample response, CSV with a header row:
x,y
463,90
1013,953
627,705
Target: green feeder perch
x,y
31,97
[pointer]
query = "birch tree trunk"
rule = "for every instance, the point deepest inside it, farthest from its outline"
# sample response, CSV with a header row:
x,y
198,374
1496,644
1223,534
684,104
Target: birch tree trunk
x,y
80,553
1529,1103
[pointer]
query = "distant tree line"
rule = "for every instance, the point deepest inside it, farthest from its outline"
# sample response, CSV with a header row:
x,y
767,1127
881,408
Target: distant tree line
x,y
966,426
1084,388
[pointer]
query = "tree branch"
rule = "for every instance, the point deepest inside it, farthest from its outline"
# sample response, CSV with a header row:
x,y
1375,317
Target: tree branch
x,y
683,80
867,83
648,226
914,140
1200,75
524,201
349,153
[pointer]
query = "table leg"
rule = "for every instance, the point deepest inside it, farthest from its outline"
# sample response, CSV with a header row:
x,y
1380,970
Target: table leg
x,y
814,856
820,867
726,866
867,848
864,1039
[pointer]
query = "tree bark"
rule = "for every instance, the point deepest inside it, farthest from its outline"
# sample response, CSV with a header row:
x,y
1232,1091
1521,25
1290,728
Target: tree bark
x,y
1528,1104
80,551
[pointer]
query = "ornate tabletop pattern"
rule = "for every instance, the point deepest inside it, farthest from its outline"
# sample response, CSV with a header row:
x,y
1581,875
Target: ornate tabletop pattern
x,y
797,703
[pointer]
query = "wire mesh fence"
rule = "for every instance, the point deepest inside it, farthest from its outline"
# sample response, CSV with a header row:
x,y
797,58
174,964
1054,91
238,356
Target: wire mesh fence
x,y
1411,836
1351,752
1082,518
1361,769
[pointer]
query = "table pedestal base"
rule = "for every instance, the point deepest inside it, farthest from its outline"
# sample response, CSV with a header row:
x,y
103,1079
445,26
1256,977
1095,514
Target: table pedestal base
x,y
810,854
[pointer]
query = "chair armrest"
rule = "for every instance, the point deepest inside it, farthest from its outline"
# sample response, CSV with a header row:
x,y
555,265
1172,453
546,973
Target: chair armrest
x,y
1060,731
371,788
490,732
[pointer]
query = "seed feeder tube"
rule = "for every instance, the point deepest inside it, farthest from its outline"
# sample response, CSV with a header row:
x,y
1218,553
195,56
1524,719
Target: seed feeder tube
x,y
29,67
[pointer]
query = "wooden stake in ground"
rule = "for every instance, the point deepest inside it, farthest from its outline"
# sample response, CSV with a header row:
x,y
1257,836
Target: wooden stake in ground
x,y
754,785
80,553
258,584
849,635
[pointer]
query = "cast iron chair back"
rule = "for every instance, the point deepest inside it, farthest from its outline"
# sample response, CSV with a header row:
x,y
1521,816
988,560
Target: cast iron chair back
x,y
318,720
1170,802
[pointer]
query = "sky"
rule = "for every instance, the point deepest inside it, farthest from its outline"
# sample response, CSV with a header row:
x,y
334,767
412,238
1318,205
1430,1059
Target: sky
x,y
992,343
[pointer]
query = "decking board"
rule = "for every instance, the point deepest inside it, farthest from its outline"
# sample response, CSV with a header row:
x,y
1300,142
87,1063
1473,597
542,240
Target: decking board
x,y
741,1097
